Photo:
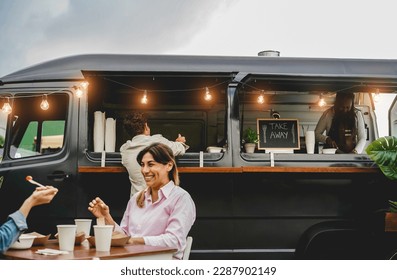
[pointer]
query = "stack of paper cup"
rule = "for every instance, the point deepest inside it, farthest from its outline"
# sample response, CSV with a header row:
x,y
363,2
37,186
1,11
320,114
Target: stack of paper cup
x,y
110,135
99,131
310,141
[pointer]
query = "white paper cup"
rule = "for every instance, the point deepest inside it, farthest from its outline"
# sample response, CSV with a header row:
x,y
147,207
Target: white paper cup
x,y
103,237
310,141
66,237
83,225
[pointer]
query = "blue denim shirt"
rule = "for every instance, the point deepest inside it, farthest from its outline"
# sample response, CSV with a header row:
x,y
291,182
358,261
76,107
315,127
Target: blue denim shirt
x,y
11,230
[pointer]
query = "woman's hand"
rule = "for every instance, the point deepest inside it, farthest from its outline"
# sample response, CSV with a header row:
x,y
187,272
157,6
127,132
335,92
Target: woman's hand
x,y
43,195
98,208
136,241
181,139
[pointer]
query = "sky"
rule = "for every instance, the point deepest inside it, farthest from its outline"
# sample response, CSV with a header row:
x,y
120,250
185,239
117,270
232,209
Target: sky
x,y
33,31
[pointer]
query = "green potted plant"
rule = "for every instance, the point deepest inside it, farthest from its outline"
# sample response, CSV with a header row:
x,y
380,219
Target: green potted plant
x,y
250,139
383,151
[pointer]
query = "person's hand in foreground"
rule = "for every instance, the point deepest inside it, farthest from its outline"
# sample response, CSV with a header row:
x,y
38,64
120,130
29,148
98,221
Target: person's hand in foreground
x,y
41,195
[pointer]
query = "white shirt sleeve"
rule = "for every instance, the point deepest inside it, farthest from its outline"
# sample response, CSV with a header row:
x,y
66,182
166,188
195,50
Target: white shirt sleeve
x,y
323,125
177,148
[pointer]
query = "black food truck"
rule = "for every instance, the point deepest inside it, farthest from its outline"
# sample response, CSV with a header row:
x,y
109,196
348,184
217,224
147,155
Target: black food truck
x,y
278,202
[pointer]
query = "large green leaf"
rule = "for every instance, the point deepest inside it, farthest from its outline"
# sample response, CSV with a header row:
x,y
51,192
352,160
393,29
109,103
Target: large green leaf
x,y
383,152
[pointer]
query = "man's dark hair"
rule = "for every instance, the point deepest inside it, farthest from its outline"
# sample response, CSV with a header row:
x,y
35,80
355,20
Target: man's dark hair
x,y
134,123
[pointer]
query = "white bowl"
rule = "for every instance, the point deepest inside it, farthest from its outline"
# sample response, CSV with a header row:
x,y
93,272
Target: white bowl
x,y
329,151
25,241
213,149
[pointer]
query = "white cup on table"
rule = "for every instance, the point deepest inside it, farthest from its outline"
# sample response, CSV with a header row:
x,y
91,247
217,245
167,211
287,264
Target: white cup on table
x,y
103,237
83,225
66,237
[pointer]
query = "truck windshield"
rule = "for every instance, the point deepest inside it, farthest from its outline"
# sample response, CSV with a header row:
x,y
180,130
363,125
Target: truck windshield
x,y
36,131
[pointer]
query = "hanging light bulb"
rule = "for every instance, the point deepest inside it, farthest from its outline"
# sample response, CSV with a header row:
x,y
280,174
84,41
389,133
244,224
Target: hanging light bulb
x,y
144,99
84,85
322,102
376,96
207,96
79,91
261,98
7,109
44,105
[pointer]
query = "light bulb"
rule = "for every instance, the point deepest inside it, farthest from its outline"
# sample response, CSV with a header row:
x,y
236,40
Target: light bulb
x,y
81,89
144,99
322,102
44,105
79,92
261,99
7,109
84,85
207,96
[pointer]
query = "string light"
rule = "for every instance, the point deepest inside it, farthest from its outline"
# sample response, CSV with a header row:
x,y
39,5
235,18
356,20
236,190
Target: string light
x,y
79,92
207,96
322,102
144,99
44,105
81,89
261,98
7,109
84,85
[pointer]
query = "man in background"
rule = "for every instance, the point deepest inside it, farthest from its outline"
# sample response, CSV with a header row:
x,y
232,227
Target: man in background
x,y
137,124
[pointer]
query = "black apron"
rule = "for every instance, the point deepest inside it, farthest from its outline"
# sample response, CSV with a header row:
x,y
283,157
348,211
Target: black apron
x,y
344,136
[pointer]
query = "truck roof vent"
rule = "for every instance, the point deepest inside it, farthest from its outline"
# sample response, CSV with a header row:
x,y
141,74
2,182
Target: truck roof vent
x,y
269,53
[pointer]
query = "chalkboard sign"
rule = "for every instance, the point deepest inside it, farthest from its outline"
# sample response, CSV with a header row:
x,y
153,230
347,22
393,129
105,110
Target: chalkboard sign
x,y
278,134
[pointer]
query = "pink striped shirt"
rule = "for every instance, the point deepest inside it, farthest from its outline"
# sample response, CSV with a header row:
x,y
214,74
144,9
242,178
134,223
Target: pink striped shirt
x,y
165,222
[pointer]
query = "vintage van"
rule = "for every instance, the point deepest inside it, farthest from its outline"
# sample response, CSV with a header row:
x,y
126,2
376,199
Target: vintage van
x,y
270,204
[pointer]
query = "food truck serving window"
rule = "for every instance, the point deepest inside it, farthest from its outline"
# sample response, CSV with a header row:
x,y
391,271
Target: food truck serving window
x,y
191,104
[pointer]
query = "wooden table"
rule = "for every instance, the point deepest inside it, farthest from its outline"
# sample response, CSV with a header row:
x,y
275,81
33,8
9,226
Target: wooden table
x,y
85,252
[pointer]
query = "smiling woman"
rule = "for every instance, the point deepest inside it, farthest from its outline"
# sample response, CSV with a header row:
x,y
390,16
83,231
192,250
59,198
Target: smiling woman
x,y
163,213
158,167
